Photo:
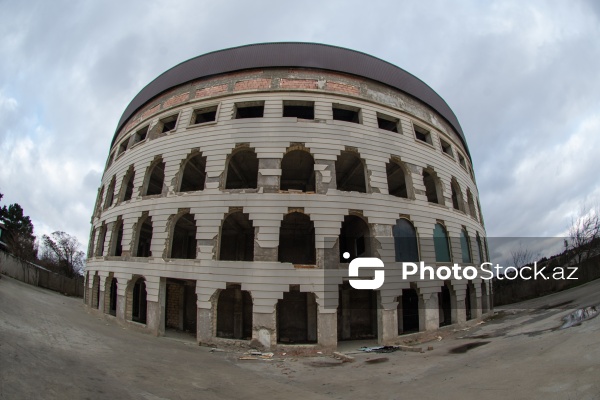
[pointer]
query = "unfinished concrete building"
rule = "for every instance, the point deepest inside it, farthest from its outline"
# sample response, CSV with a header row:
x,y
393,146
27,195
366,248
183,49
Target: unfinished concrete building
x,y
236,181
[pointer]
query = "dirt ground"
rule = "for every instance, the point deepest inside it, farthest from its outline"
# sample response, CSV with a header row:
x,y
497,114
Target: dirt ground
x,y
52,348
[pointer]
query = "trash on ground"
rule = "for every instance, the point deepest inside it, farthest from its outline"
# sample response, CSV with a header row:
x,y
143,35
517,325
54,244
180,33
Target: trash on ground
x,y
578,316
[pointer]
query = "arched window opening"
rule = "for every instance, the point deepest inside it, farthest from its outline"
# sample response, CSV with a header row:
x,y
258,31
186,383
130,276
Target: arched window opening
x,y
479,248
242,170
98,206
183,244
445,305
297,317
110,193
350,173
470,301
396,179
156,179
354,238
194,174
298,171
110,294
441,244
297,239
117,235
357,313
237,238
101,241
457,198
127,188
234,313
139,301
145,238
430,187
405,241
465,246
408,312
471,204
96,291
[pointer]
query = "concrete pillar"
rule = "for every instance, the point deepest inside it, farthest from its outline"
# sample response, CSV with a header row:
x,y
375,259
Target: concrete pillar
x,y
269,174
153,317
264,329
101,300
388,326
327,329
121,307
204,325
429,318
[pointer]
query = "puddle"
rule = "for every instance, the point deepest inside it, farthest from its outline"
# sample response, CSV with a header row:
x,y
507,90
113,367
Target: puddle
x,y
466,347
578,316
377,360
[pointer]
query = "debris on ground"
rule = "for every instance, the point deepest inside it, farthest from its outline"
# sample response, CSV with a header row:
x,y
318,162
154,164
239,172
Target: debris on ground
x,y
377,360
343,357
580,315
389,349
216,350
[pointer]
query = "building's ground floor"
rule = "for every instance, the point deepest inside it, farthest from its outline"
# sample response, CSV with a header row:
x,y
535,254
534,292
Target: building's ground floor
x,y
284,314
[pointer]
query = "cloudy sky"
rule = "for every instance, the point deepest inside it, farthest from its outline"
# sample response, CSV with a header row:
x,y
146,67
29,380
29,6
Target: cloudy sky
x,y
522,77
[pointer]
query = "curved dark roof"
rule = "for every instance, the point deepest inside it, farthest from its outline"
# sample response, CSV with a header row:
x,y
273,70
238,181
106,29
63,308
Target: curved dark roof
x,y
303,55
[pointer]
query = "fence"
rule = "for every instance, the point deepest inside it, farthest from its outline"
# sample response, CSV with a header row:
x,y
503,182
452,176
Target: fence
x,y
38,276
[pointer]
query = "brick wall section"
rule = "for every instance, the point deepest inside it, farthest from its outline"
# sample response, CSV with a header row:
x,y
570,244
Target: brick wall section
x,y
343,88
211,91
298,84
174,293
151,111
177,99
253,84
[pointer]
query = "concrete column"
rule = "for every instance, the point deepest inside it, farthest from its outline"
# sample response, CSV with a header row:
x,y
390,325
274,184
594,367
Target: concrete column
x,y
429,318
153,317
101,300
264,329
269,174
388,326
204,325
327,329
121,307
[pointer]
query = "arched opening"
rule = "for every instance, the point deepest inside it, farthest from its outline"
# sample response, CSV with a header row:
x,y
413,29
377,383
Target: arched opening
x,y
470,301
110,294
457,199
181,306
357,313
242,170
144,238
471,204
139,301
297,239
354,238
237,238
441,243
479,248
465,246
405,241
156,178
298,171
98,206
110,193
234,313
408,312
297,317
101,240
485,299
350,173
445,302
396,179
183,244
117,236
194,174
430,187
96,291
127,185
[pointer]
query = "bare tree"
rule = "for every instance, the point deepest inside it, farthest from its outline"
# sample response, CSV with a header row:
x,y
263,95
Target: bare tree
x,y
63,250
521,256
584,233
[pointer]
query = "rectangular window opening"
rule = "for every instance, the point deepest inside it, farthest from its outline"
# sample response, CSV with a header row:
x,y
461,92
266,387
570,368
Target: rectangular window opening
x,y
141,134
206,114
299,109
169,123
388,123
423,134
346,113
123,147
446,148
253,109
462,161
